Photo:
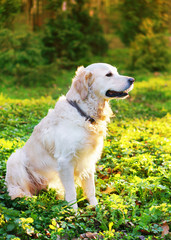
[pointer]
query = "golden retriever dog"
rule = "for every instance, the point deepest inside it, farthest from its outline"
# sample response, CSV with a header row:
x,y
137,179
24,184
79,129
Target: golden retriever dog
x,y
68,142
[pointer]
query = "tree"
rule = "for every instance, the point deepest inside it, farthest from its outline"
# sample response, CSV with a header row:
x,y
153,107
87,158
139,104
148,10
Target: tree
x,y
143,26
133,13
149,50
68,34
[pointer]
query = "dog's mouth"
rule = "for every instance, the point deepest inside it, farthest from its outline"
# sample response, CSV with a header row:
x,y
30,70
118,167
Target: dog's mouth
x,y
111,94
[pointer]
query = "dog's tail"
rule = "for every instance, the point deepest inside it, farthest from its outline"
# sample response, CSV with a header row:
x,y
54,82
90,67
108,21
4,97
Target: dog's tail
x,y
17,178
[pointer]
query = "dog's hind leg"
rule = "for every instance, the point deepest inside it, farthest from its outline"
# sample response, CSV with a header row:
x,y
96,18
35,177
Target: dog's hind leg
x,y
17,178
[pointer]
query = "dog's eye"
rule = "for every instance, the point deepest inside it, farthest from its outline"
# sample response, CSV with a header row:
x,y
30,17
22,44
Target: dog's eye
x,y
109,74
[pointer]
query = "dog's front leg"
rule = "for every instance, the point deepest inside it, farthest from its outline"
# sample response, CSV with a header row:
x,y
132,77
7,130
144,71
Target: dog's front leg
x,y
66,174
89,189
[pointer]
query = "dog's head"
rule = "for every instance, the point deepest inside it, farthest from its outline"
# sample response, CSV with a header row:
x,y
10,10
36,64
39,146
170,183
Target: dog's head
x,y
104,80
108,83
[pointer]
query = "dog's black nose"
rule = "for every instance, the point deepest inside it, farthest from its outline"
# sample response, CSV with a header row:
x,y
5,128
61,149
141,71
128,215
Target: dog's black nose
x,y
131,80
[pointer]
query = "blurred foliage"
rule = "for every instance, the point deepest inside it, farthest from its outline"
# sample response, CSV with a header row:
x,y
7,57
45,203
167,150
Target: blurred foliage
x,y
143,27
66,41
20,57
149,51
17,50
8,11
133,13
73,36
68,37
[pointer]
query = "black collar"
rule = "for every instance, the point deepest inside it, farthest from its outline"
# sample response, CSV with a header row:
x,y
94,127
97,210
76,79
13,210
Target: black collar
x,y
81,112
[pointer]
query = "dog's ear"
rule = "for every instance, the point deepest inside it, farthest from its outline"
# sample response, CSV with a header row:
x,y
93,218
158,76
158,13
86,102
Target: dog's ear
x,y
83,79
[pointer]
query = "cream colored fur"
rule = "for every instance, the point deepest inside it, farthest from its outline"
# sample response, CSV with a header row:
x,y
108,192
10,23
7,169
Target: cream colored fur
x,y
64,146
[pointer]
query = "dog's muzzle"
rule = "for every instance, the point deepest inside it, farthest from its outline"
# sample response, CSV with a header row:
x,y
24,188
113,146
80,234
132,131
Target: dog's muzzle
x,y
120,94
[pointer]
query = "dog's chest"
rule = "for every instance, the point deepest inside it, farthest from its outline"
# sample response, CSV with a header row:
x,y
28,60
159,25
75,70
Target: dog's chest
x,y
90,151
69,142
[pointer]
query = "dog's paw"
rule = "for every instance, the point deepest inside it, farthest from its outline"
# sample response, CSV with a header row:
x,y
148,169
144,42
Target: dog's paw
x,y
93,201
74,206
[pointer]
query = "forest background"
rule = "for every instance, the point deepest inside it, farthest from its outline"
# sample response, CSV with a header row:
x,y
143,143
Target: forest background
x,y
40,38
41,44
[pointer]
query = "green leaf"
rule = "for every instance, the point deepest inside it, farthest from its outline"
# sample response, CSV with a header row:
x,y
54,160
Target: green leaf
x,y
10,227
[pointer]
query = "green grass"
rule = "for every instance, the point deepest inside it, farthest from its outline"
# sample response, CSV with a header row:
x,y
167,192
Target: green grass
x,y
133,177
59,86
